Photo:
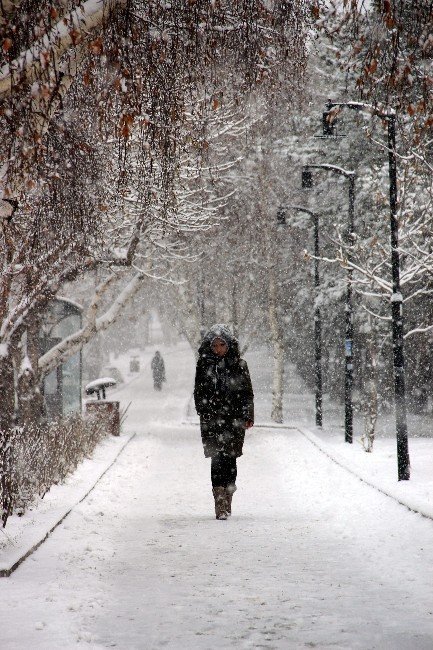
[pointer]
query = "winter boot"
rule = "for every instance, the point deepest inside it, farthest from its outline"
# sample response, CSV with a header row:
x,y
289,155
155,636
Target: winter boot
x,y
219,494
230,490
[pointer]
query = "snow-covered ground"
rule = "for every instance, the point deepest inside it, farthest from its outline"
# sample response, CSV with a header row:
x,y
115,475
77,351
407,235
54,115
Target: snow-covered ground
x,y
312,557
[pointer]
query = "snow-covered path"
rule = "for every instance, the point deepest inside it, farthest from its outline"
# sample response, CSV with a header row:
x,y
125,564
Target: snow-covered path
x,y
311,557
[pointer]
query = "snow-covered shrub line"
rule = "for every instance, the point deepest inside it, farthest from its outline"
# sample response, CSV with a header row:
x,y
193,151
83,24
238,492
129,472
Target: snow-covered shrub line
x,y
33,458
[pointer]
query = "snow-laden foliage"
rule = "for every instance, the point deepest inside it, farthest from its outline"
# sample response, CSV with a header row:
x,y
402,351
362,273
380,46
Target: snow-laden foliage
x,y
386,47
234,282
109,111
35,457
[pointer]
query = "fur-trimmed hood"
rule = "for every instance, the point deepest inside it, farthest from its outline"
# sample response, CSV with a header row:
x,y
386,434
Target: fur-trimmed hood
x,y
222,331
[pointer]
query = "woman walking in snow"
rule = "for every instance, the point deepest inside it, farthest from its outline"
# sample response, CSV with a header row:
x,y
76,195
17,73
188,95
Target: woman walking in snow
x,y
224,400
158,370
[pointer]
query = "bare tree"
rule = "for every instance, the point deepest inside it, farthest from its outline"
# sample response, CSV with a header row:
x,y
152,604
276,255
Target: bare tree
x,y
136,78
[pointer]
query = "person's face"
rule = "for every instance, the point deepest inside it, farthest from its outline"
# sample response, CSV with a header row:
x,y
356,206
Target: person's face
x,y
219,347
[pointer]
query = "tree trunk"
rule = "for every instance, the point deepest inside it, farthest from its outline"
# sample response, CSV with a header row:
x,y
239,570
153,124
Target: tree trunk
x,y
30,399
277,350
371,395
7,391
234,305
188,316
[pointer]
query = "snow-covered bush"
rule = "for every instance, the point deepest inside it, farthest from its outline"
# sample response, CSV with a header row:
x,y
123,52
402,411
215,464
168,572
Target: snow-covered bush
x,y
33,458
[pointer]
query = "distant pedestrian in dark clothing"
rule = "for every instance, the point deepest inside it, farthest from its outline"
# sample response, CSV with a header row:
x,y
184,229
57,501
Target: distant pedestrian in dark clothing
x,y
158,370
224,400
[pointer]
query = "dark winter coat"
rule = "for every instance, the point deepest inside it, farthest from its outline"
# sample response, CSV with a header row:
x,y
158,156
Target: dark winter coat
x,y
158,368
223,395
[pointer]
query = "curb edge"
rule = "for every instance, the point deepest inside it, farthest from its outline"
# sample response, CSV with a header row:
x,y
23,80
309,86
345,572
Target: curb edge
x,y
5,573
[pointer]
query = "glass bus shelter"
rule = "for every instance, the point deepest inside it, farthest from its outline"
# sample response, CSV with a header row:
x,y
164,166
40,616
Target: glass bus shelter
x,y
62,386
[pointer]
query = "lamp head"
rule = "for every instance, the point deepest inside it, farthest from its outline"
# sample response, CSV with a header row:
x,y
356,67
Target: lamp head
x,y
329,123
307,178
281,216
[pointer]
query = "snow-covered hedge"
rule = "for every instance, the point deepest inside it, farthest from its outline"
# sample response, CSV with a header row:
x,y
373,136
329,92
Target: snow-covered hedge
x,y
32,459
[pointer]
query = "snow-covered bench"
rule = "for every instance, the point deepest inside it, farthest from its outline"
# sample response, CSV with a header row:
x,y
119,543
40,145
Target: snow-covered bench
x,y
98,386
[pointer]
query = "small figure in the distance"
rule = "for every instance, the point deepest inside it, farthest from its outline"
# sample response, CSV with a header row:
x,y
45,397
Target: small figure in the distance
x,y
158,370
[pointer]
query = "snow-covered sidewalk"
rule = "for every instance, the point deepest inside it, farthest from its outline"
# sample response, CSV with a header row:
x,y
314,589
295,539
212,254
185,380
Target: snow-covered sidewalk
x,y
23,535
312,557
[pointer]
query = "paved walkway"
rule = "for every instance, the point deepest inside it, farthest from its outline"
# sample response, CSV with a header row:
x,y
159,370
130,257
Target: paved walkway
x,y
310,558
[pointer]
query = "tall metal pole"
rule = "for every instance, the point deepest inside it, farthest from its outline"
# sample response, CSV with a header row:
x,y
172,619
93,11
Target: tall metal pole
x,y
307,181
403,461
348,375
317,328
397,315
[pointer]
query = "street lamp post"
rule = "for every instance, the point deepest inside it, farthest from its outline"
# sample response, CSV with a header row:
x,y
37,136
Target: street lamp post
x,y
317,316
317,327
389,116
307,181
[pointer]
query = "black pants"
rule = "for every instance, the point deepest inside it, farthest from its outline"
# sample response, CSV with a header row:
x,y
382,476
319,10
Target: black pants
x,y
223,470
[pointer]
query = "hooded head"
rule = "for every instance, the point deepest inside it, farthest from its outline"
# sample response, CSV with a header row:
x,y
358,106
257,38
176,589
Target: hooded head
x,y
219,331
